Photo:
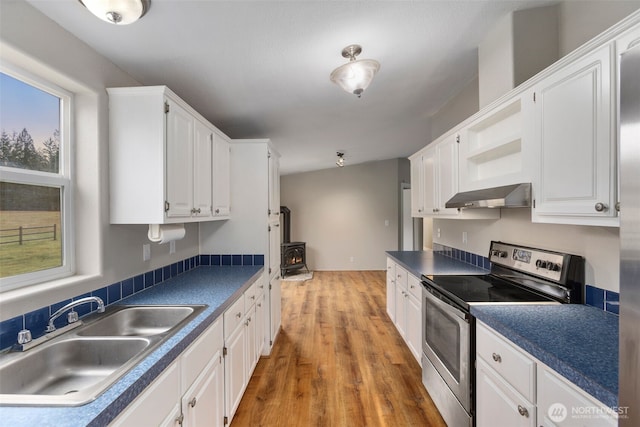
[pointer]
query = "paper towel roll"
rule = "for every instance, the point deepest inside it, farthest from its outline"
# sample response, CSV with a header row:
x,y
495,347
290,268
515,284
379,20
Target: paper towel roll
x,y
164,233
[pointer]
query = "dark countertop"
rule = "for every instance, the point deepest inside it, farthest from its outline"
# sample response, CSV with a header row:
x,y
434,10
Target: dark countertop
x,y
577,341
218,287
432,263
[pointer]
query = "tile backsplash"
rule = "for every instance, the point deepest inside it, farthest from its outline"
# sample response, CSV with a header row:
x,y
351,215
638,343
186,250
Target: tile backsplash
x,y
466,257
594,296
36,320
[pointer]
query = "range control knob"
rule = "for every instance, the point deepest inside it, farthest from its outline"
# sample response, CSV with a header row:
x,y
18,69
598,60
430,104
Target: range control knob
x,y
502,254
541,264
553,267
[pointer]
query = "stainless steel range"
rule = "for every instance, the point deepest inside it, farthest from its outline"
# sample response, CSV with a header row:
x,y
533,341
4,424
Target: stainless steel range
x,y
518,275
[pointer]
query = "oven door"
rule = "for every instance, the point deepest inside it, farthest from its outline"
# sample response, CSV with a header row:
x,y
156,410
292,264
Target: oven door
x,y
446,342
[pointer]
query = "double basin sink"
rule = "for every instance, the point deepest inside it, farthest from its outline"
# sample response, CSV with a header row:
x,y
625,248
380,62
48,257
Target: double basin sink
x,y
75,367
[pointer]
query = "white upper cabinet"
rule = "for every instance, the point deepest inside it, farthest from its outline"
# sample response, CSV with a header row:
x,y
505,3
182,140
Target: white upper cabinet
x,y
221,177
434,180
202,170
576,177
161,159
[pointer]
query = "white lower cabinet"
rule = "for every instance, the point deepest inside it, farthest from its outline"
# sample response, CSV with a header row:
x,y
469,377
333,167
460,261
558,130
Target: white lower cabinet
x,y
187,393
205,384
514,389
404,305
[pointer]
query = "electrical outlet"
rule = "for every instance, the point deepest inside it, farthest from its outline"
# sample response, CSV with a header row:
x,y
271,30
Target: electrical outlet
x,y
464,237
172,247
146,252
438,233
386,222
351,259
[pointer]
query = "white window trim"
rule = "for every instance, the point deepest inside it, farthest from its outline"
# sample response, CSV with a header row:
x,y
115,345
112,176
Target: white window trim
x,y
63,179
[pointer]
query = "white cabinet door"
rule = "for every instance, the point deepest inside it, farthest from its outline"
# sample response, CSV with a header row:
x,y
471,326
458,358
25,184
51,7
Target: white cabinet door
x,y
391,289
275,306
250,336
179,178
447,177
413,310
274,186
498,404
576,144
401,319
202,170
202,404
417,186
235,370
274,248
260,324
221,177
430,181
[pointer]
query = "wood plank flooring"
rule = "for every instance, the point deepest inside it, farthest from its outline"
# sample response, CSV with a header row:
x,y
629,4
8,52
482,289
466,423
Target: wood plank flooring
x,y
338,361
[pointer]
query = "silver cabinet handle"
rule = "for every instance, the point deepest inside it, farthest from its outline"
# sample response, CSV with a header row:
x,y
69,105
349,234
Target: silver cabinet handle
x,y
217,211
412,286
253,297
193,402
239,315
180,419
496,357
601,207
523,411
618,207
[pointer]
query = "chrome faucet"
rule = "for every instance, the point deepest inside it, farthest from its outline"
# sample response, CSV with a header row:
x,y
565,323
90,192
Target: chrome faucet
x,y
73,317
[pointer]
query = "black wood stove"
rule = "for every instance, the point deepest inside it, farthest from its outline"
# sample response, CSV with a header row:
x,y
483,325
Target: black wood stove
x,y
293,255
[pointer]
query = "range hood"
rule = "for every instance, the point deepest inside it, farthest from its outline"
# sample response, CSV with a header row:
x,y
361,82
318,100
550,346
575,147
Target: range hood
x,y
508,196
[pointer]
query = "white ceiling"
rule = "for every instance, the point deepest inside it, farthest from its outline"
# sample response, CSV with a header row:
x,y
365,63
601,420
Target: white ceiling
x,y
261,68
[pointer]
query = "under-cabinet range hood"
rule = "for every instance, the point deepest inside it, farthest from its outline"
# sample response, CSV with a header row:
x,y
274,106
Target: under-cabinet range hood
x,y
508,196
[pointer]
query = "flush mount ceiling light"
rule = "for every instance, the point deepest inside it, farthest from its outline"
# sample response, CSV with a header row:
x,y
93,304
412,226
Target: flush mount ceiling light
x,y
340,161
356,75
119,12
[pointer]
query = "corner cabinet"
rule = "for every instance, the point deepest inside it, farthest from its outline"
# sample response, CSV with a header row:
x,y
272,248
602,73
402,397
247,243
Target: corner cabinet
x,y
576,178
166,161
515,388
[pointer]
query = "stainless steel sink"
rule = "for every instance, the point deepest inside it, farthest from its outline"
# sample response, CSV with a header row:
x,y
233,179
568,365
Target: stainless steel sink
x,y
75,367
139,321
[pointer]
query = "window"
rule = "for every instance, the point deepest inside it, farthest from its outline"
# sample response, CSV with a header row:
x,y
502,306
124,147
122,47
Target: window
x,y
36,241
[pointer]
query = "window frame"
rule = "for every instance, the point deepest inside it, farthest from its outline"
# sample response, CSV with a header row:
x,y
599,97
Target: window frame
x,y
63,180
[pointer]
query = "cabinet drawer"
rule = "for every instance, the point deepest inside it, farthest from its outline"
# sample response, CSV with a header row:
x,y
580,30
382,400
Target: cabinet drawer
x,y
568,405
414,287
233,317
509,362
261,286
198,354
250,296
401,277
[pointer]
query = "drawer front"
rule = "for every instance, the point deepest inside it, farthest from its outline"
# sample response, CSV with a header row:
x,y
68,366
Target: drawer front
x,y
414,286
233,317
250,296
401,277
261,286
564,404
507,360
198,354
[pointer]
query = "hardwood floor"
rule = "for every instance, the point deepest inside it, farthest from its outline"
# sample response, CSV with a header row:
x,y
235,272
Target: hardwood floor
x,y
338,361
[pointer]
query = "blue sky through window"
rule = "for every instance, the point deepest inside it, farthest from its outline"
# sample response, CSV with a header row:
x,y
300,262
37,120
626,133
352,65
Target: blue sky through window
x,y
24,106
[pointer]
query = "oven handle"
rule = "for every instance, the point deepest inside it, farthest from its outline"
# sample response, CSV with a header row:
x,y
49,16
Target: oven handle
x,y
443,302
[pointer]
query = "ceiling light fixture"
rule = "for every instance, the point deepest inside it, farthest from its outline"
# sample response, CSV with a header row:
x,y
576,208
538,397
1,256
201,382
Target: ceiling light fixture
x,y
119,12
340,162
356,75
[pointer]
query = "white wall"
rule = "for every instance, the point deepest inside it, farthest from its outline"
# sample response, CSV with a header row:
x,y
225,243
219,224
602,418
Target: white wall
x,y
341,214
599,245
462,105
580,21
105,253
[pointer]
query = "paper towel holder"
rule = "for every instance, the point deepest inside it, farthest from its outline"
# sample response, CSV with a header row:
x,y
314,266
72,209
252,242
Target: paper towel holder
x,y
164,233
